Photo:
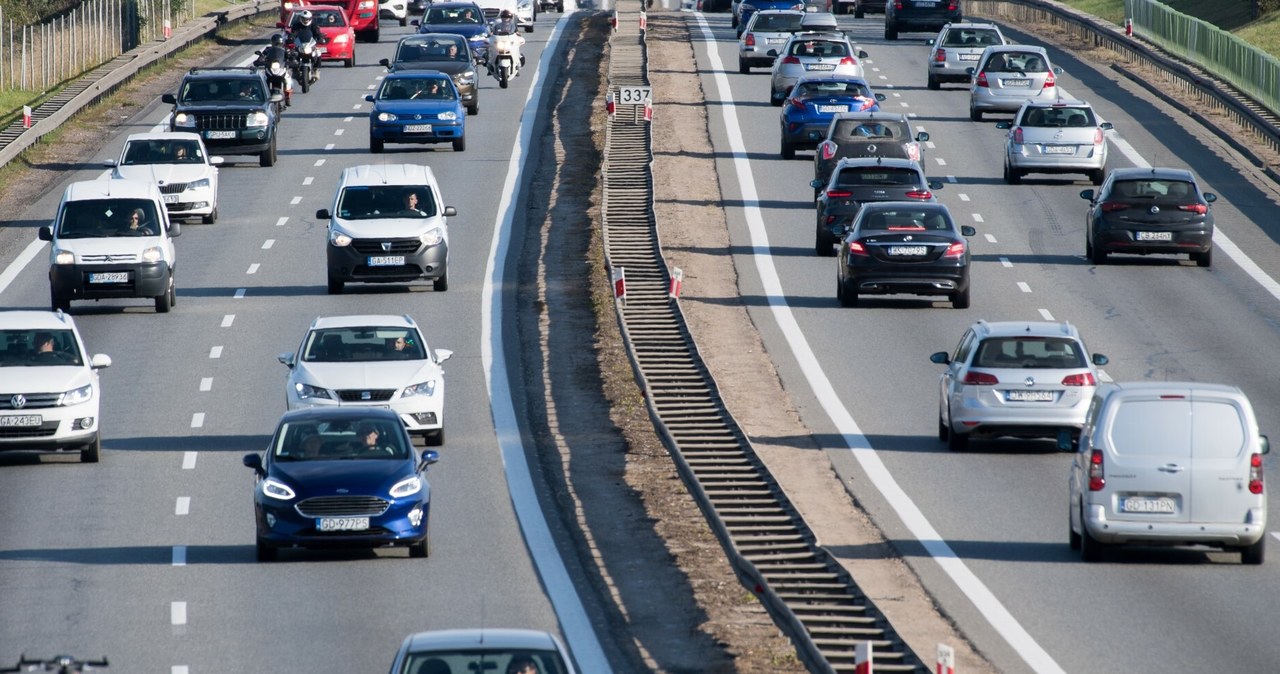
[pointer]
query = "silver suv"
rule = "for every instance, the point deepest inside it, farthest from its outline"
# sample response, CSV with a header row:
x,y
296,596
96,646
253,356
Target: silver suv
x,y
811,54
1008,75
1062,136
957,49
767,31
49,391
1026,379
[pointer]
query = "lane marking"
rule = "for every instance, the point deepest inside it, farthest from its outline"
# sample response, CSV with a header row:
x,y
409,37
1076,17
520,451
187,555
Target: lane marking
x,y
239,294
1004,262
228,320
319,162
347,119
215,352
328,147
952,179
266,245
977,217
189,460
931,145
179,669
941,161
991,238
338,132
179,555
281,221
1022,285
357,106
308,180
963,196
27,254
1044,313
183,506
295,201
904,104
178,613
897,95
253,268
206,383
197,420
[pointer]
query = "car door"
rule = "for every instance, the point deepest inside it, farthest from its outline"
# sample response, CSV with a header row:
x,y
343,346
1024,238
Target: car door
x,y
950,378
1220,445
1147,460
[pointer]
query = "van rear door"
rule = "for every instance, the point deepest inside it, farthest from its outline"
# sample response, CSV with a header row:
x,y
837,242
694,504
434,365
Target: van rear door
x,y
1220,460
1148,466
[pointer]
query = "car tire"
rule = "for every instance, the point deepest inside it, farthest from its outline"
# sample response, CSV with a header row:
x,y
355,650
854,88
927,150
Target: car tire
x,y
1097,176
173,294
944,432
743,67
848,296
375,35
435,438
1073,539
1091,549
306,85
933,83
975,115
422,549
267,158
1204,259
335,286
211,218
960,300
1012,175
263,552
351,62
1255,554
404,21
163,300
957,442
473,109
441,284
859,12
823,246
58,302
890,32
460,144
733,21
91,452
775,100
1097,255
787,150
376,145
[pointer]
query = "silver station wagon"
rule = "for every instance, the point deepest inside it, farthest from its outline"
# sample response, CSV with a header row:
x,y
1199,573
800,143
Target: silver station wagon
x,y
1058,137
1008,75
957,49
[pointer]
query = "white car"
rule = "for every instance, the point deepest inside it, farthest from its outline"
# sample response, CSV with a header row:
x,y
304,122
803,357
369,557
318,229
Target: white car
x,y
394,9
372,361
177,162
49,390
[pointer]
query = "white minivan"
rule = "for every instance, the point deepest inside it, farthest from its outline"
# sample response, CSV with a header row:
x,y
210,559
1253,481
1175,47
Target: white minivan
x,y
1168,463
111,238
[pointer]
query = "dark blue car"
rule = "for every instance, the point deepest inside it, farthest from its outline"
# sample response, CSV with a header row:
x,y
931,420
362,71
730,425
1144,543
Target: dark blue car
x,y
748,7
814,102
417,106
341,477
460,18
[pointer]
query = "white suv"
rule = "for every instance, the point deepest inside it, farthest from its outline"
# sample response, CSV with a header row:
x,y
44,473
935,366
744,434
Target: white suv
x,y
49,391
373,361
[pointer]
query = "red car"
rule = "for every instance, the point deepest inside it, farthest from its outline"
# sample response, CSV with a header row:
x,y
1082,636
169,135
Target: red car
x,y
361,14
332,23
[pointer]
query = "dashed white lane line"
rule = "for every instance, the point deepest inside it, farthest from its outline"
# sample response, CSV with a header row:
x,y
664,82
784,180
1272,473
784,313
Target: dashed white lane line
x,y
904,104
319,162
963,196
941,161
890,86
1044,313
990,238
281,221
239,294
338,132
197,420
952,179
295,201
911,115
253,268
206,383
1022,285
919,128
347,119
1276,534
182,506
897,95
228,320
266,245
179,555
178,613
357,106
179,669
328,147
874,70
930,144
189,460
215,352
308,180
977,217
1004,262
371,86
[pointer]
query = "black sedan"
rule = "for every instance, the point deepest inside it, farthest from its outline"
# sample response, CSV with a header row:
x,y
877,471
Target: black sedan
x,y
859,180
341,478
1148,211
904,248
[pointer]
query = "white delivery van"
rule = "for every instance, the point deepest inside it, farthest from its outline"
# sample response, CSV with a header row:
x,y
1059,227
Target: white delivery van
x,y
1161,463
111,238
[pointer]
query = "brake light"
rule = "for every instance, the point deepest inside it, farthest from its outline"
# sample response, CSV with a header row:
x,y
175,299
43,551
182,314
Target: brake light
x,y
1017,135
1113,206
979,379
923,195
953,6
1049,80
898,5
981,80
1097,476
827,149
1255,473
1198,209
955,250
839,194
913,151
848,61
1085,379
792,60
797,102
749,40
831,219
856,248
940,56
1097,136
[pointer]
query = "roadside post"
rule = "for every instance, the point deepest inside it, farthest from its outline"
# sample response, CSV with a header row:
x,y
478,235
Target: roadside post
x,y
862,657
26,116
620,285
677,282
946,660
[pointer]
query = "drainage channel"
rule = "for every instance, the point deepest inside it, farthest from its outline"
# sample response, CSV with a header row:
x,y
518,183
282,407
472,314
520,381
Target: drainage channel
x,y
807,592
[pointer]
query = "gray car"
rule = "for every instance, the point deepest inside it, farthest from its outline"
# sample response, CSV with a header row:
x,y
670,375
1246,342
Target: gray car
x,y
1060,137
957,49
1008,75
807,54
766,33
446,52
490,649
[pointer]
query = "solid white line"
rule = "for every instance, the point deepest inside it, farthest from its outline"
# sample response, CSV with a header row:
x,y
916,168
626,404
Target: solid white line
x,y
215,352
206,383
228,320
179,669
253,268
1004,262
183,506
575,624
239,294
1022,285
178,613
179,555
308,180
266,245
1044,313
197,420
977,592
189,460
27,254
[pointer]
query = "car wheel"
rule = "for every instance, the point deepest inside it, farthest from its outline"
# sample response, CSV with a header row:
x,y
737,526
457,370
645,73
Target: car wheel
x,y
351,62
1091,549
435,438
306,84
1012,175
934,83
264,552
859,12
1088,248
92,450
373,36
335,286
162,300
1097,176
529,28
173,294
1097,255
786,150
957,442
823,246
404,21
733,21
267,158
441,284
1073,539
890,33
57,302
847,295
960,300
743,68
460,143
943,431
1204,259
211,218
422,549
473,109
1254,554
975,115
775,100
376,145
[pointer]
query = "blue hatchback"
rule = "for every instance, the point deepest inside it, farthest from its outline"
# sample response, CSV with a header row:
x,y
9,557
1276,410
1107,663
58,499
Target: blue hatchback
x,y
460,18
341,477
417,106
814,102
748,7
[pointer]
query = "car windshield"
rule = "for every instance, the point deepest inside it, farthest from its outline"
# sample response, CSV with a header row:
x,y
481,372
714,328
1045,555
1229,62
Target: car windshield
x,y
463,15
322,18
362,345
369,202
95,218
432,49
39,348
818,48
777,23
877,175
162,152
1029,352
228,90
1016,62
832,88
971,37
866,130
341,440
909,220
1059,116
1153,189
511,661
416,89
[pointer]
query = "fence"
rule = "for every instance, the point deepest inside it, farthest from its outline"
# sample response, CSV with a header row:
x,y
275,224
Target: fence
x,y
37,56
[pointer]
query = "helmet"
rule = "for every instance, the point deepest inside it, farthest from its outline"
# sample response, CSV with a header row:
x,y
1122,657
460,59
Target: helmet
x,y
277,40
506,14
305,17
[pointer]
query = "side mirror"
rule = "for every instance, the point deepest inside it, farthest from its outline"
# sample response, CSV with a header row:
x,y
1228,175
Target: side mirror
x,y
880,97
215,161
1057,70
968,230
1210,197
368,97
969,71
1086,195
1264,445
100,361
385,63
45,234
175,230
816,184
935,184
429,456
922,137
863,54
110,163
450,211
254,461
323,214
1067,441
931,42
442,355
1004,124
276,97
1106,126
168,98
286,359
1099,359
940,358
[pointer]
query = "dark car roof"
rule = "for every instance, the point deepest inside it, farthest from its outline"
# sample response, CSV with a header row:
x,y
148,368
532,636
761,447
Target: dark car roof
x,y
339,414
1162,173
225,73
893,162
415,74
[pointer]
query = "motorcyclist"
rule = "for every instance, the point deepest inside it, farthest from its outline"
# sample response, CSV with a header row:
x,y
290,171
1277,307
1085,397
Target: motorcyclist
x,y
304,31
276,53
504,30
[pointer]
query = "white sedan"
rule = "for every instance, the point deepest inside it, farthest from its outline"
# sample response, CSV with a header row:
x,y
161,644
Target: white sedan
x,y
373,361
178,162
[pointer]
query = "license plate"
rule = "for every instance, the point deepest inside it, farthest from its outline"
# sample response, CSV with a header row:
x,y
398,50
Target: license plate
x,y
907,250
1155,236
171,198
342,523
1059,149
969,57
109,277
219,134
21,420
417,128
1016,84
927,3
833,108
1147,504
1029,396
775,40
820,66
386,261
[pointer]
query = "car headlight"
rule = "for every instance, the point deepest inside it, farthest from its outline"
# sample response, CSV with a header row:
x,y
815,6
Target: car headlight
x,y
366,4
387,117
77,396
433,237
524,4
468,77
63,256
184,120
448,116
407,487
307,391
277,489
258,118
426,388
341,39
200,184
152,254
338,238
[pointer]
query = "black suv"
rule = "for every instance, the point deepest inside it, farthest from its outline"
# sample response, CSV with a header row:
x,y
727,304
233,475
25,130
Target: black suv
x,y
924,15
232,109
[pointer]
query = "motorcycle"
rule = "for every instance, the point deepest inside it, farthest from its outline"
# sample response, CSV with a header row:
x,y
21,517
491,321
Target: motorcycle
x,y
279,80
505,57
305,63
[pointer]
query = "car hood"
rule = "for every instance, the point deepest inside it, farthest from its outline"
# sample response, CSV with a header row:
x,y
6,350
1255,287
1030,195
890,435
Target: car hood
x,y
427,107
389,228
453,29
389,374
163,174
371,477
42,379
447,67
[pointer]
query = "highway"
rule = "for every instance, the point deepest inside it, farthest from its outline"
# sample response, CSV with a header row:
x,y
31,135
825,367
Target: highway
x,y
148,557
987,529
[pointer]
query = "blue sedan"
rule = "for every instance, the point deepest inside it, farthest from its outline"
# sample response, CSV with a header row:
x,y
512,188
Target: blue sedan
x,y
419,106
814,102
341,478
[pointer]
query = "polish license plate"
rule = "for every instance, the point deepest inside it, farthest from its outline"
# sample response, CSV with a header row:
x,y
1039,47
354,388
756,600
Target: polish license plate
x,y
1059,149
775,40
109,277
214,135
21,420
171,198
1154,236
819,66
417,128
1016,83
926,3
833,108
1029,396
342,523
969,57
907,250
1148,504
386,261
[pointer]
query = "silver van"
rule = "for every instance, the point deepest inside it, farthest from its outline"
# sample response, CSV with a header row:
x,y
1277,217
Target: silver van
x,y
1168,463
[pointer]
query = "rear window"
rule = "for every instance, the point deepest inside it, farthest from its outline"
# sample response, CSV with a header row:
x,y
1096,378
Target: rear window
x,y
459,15
819,48
777,23
877,175
1153,189
1152,428
432,49
833,88
1059,116
1029,352
910,220
1217,429
1019,62
855,130
975,37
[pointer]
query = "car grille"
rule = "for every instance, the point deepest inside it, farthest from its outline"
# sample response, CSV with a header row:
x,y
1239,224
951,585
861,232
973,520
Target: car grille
x,y
399,271
491,13
375,246
342,506
122,258
359,395
180,206
221,121
46,430
33,401
173,188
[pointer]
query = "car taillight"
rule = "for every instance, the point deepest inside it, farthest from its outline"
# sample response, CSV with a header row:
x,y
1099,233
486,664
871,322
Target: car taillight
x,y
856,248
792,60
1085,379
955,250
1255,473
913,151
1017,135
953,6
831,219
827,149
898,5
1097,477
1097,136
848,61
1198,209
1049,80
749,39
979,379
923,195
797,102
839,194
1113,206
981,80
940,56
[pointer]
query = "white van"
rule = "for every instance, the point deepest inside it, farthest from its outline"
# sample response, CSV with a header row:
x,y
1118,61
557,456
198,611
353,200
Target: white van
x,y
1169,463
111,238
525,11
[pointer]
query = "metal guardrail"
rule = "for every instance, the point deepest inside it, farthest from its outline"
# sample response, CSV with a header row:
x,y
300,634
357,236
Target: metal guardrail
x,y
773,552
88,88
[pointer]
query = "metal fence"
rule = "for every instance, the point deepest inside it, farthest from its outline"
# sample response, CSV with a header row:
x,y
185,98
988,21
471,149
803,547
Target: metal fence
x,y
35,57
1243,66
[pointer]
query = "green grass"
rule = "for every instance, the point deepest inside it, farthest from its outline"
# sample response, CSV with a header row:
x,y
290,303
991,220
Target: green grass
x,y
1111,10
1264,33
1228,14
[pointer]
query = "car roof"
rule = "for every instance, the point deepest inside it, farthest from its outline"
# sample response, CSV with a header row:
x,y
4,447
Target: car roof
x,y
833,78
108,188
896,162
768,12
27,319
364,320
1164,173
1026,329
414,74
1060,102
872,116
964,25
346,413
451,5
903,204
162,135
820,35
480,638
423,37
225,72
1016,48
1173,387
387,174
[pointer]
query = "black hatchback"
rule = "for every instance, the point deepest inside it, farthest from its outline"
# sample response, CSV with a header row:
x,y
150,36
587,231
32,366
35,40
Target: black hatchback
x,y
923,15
1147,211
904,248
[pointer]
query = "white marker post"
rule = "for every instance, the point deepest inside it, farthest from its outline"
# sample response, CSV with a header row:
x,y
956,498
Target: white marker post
x,y
862,658
946,659
620,285
677,281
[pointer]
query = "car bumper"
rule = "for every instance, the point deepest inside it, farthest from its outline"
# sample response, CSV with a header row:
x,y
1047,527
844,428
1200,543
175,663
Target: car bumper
x,y
1008,103
419,414
393,527
246,141
952,72
192,203
430,262
1126,241
60,427
1021,157
441,132
804,135
72,281
883,280
986,414
337,53
757,57
1155,532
